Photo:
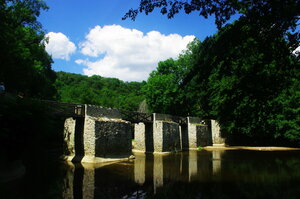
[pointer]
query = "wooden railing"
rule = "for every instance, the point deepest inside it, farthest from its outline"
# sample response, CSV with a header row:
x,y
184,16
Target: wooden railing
x,y
65,109
136,117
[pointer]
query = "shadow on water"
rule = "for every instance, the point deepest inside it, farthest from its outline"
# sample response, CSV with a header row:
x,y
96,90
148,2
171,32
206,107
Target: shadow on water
x,y
78,182
193,174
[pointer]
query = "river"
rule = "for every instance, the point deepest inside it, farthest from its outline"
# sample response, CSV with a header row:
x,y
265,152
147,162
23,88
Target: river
x,y
194,174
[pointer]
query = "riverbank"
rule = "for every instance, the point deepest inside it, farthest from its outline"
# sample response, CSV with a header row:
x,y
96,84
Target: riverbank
x,y
257,148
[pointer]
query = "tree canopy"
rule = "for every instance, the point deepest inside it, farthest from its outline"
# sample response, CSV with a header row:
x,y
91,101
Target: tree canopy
x,y
281,12
274,18
249,84
163,91
245,76
25,65
96,90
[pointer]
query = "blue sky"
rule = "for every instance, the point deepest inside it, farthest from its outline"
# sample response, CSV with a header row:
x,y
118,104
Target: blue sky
x,y
89,37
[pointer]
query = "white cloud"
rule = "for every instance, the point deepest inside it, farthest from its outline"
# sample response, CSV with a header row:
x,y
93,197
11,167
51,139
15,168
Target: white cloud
x,y
297,51
59,46
129,54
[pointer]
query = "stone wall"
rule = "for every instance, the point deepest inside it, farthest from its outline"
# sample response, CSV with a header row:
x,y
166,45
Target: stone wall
x,y
149,137
199,133
158,136
100,112
112,139
204,137
69,137
140,137
106,136
192,136
171,137
162,117
166,134
217,138
184,137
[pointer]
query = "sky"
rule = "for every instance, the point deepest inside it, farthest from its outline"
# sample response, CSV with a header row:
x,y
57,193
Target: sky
x,y
90,38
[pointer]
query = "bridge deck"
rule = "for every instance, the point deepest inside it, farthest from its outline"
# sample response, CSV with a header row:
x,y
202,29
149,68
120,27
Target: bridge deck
x,y
66,109
78,110
136,117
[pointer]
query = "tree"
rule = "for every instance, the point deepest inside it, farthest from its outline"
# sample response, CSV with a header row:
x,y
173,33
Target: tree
x,y
274,18
96,90
246,75
25,65
163,91
249,84
284,12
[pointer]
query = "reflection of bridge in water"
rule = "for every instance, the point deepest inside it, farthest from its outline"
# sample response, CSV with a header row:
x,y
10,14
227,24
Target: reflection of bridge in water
x,y
95,134
146,173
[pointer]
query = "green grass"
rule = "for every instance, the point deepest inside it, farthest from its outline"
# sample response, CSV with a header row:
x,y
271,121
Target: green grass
x,y
199,148
198,124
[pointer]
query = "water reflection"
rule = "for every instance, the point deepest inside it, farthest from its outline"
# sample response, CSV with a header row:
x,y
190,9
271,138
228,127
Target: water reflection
x,y
140,169
200,174
194,174
158,172
216,161
193,170
146,174
68,182
88,185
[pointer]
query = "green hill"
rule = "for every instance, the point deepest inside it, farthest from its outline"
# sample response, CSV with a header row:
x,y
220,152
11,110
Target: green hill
x,y
97,90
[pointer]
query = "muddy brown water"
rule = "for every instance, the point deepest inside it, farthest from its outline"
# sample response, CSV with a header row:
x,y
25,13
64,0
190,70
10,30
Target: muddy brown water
x,y
194,174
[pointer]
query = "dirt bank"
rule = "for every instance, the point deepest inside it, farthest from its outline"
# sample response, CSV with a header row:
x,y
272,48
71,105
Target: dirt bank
x,y
257,148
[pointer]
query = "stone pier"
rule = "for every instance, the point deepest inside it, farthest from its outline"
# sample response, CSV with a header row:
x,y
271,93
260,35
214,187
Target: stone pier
x,y
217,139
106,135
166,134
199,134
69,138
139,142
73,139
162,135
100,136
103,134
143,137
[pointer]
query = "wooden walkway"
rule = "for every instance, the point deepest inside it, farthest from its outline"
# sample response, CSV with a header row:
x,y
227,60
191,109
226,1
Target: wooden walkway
x,y
78,110
65,109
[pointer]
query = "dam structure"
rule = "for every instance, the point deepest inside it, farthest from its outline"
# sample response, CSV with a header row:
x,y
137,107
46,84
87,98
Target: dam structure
x,y
95,134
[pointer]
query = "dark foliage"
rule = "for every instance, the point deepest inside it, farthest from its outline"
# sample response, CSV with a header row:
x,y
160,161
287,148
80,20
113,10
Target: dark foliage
x,y
29,129
25,66
283,11
246,76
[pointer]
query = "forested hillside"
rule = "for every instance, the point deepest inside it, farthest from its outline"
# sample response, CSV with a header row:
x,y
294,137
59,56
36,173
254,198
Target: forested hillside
x,y
96,90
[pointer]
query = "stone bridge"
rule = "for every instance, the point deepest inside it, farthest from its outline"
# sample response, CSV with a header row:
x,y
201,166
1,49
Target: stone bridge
x,y
95,134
